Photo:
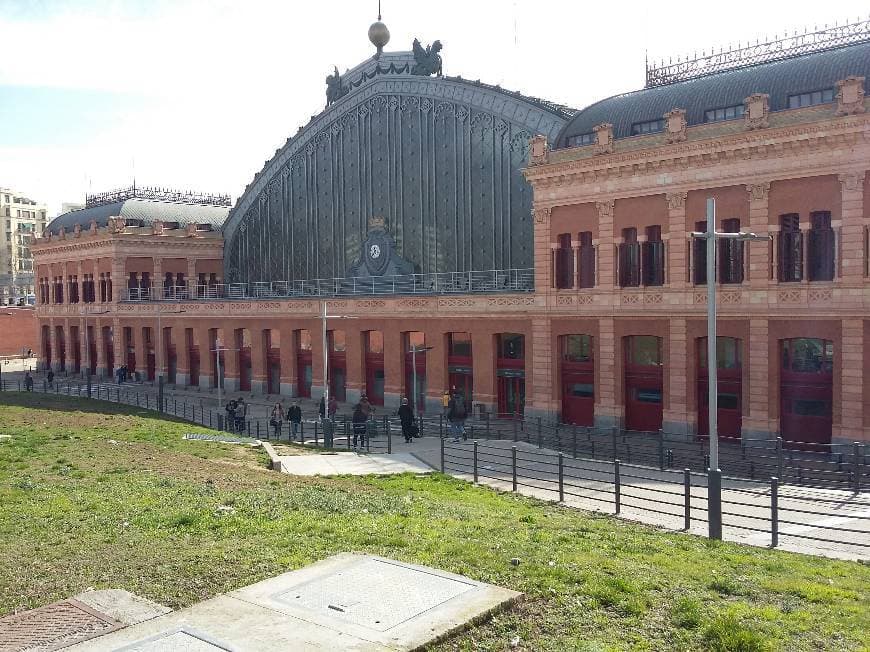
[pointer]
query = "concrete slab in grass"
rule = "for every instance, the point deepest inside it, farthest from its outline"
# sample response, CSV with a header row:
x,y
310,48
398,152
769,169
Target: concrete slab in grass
x,y
347,602
352,464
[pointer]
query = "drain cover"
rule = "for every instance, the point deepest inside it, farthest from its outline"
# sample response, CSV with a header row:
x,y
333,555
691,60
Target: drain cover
x,y
175,641
52,627
375,593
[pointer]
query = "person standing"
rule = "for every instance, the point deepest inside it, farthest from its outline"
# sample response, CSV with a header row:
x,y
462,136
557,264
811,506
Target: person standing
x,y
321,408
359,419
332,408
276,418
445,402
231,408
406,418
28,381
50,378
294,416
241,415
456,415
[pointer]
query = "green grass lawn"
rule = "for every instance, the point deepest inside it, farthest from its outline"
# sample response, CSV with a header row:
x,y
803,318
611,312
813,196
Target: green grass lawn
x,y
98,495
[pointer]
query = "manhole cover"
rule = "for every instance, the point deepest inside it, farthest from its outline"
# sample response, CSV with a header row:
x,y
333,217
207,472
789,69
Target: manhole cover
x,y
52,627
375,593
175,641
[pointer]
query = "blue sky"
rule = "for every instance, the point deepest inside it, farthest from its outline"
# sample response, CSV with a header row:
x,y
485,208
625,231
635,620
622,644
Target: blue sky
x,y
199,93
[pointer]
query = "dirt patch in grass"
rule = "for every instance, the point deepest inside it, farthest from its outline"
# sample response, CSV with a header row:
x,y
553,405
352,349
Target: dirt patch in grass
x,y
180,521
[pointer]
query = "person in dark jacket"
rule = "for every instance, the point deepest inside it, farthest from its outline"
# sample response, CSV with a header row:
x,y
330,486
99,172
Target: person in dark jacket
x,y
294,416
321,408
406,417
359,424
231,415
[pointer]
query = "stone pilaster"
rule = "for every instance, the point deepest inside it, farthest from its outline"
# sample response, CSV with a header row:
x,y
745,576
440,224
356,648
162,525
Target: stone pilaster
x,y
544,279
483,372
757,424
157,279
676,416
119,278
606,255
852,381
394,368
607,412
288,361
540,370
100,346
759,223
207,360
677,245
231,371
55,352
852,226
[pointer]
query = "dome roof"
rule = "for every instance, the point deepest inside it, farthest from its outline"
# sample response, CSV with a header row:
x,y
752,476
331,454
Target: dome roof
x,y
779,79
141,212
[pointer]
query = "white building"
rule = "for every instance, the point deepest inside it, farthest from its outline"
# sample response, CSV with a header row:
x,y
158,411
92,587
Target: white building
x,y
21,218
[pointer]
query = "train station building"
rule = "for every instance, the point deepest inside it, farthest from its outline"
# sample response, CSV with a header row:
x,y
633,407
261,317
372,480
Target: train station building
x,y
538,258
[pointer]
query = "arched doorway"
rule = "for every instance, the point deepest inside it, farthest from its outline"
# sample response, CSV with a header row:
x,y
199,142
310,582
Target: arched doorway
x,y
807,390
578,379
643,383
730,385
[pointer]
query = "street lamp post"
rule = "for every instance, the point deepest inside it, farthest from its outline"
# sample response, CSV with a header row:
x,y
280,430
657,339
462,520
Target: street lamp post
x,y
714,473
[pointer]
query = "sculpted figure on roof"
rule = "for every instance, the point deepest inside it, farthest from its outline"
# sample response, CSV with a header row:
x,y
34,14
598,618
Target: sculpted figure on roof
x,y
428,61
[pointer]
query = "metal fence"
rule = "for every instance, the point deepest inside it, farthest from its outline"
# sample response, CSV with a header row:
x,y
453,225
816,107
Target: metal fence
x,y
757,512
373,436
488,281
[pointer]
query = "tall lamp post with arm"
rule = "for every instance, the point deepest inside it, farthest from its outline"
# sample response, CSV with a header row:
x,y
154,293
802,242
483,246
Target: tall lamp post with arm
x,y
714,473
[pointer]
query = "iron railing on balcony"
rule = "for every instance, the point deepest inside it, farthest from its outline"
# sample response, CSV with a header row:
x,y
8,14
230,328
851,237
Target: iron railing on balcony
x,y
489,281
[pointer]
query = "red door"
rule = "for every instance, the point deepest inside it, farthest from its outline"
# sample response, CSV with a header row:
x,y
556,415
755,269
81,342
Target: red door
x,y
273,364
194,366
643,383
245,369
152,364
578,393
729,418
303,373
171,364
375,378
92,351
511,394
806,392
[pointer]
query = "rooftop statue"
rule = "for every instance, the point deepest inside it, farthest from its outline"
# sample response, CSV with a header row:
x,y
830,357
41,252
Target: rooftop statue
x,y
428,61
334,88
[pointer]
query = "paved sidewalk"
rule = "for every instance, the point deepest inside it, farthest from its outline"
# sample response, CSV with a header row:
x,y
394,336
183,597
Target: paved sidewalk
x,y
352,464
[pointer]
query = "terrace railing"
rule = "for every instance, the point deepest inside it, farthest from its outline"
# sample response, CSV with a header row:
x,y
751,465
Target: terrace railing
x,y
484,282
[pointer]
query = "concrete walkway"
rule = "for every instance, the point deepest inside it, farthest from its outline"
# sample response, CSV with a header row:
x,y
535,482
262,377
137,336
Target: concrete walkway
x,y
347,602
352,464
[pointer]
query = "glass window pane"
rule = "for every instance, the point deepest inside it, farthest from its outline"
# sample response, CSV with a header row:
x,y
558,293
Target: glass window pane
x,y
582,390
512,346
374,342
644,350
648,395
460,344
304,340
577,348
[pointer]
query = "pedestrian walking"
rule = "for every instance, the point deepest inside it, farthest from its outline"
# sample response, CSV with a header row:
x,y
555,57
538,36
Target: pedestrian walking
x,y
406,418
359,419
276,418
28,381
321,408
294,416
241,415
231,414
456,415
332,408
50,378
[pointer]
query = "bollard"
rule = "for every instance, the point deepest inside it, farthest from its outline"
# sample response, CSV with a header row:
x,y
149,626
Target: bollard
x,y
516,435
514,466
670,458
475,461
258,430
441,426
687,499
561,477
856,464
774,512
346,434
316,441
442,455
714,503
613,434
617,496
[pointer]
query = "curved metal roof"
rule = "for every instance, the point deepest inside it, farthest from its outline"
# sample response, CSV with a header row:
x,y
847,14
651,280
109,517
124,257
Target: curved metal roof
x,y
779,79
141,210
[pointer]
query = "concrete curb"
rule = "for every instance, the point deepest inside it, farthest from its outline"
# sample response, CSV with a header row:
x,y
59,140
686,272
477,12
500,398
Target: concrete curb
x,y
274,458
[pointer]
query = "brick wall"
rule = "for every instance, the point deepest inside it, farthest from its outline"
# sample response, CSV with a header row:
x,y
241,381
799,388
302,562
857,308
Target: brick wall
x,y
18,331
